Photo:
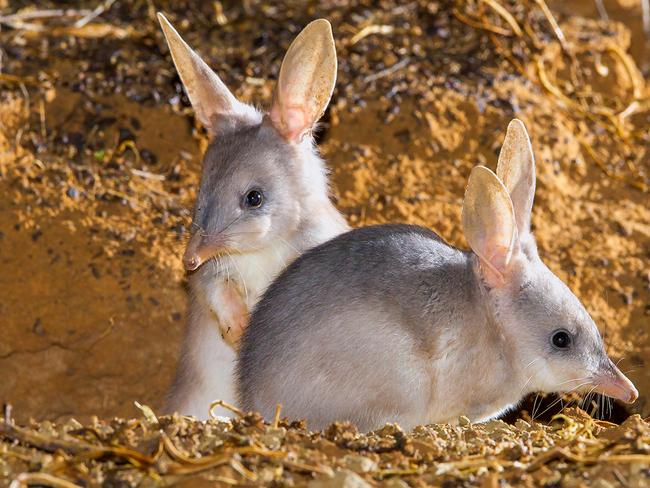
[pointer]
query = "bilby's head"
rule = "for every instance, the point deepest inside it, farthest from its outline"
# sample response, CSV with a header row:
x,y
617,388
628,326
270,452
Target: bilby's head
x,y
260,168
558,346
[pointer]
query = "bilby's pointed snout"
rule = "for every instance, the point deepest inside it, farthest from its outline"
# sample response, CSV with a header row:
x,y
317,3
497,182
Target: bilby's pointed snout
x,y
191,261
613,383
191,257
196,253
201,248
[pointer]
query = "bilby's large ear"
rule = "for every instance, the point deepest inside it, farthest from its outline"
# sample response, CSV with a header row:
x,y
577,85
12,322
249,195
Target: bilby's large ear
x,y
306,81
489,224
214,105
516,169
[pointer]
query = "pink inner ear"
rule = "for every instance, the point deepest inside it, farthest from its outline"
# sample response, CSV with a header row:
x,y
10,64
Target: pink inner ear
x,y
498,257
290,121
494,264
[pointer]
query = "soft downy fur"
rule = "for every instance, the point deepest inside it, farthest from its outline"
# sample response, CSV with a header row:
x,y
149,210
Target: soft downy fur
x,y
237,247
390,324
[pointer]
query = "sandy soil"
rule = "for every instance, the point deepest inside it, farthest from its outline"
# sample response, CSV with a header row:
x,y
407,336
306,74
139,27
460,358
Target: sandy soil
x,y
100,158
573,451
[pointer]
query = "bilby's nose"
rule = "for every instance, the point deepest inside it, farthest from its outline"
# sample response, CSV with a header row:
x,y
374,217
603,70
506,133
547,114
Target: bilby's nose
x,y
612,382
634,394
191,261
192,258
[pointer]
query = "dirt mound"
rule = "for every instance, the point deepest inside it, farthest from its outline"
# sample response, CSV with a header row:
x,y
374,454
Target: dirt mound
x,y
100,158
575,450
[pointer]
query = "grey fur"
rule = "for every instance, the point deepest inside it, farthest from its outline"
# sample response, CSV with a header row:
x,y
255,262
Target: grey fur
x,y
390,324
351,331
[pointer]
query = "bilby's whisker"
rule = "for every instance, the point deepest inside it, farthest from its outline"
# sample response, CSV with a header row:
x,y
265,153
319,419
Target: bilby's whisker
x,y
241,277
575,379
537,397
533,362
559,399
289,244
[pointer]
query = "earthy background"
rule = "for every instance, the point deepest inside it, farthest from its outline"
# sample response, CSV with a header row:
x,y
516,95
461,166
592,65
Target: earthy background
x,y
100,158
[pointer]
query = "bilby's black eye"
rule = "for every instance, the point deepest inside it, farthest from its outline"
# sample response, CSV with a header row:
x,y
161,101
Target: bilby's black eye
x,y
254,199
561,339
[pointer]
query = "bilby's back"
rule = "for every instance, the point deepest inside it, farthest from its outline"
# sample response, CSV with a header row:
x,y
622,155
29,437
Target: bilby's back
x,y
357,340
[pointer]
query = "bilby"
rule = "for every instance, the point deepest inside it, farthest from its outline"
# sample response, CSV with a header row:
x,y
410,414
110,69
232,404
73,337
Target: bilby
x,y
390,324
263,200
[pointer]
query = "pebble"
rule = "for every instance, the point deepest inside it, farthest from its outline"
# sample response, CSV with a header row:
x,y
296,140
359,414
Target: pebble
x,y
341,479
359,464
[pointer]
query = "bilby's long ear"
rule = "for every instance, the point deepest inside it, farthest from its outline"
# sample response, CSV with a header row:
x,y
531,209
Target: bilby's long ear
x,y
214,105
306,81
516,169
489,224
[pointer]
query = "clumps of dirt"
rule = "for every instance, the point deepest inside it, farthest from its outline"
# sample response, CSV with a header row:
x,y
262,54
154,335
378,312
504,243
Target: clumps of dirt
x,y
85,286
573,450
100,159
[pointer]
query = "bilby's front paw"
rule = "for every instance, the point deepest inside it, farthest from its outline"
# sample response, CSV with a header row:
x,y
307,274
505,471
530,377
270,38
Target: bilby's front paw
x,y
232,328
231,311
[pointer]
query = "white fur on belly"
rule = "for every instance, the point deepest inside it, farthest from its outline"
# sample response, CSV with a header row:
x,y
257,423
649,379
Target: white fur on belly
x,y
214,361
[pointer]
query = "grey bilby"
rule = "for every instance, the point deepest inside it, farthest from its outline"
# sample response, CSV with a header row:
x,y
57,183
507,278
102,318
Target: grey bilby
x,y
263,200
390,324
